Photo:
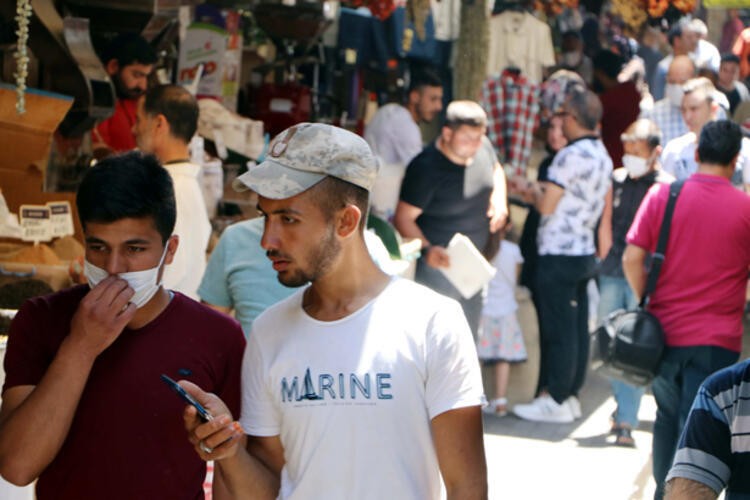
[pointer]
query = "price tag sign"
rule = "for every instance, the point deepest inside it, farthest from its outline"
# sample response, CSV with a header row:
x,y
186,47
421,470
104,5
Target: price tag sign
x,y
61,218
35,223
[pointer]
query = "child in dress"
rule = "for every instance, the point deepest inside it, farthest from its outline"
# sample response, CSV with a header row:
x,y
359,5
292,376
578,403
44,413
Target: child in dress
x,y
500,340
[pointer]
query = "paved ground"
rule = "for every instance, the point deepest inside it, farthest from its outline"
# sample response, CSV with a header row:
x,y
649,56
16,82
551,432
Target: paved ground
x,y
529,460
570,461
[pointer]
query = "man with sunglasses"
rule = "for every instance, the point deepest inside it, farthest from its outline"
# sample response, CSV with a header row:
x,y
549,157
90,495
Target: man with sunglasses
x,y
570,201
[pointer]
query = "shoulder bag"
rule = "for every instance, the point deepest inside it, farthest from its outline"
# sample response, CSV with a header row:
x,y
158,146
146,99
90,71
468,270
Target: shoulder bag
x,y
629,344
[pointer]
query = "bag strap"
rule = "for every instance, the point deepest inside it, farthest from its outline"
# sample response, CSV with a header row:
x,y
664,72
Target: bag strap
x,y
657,259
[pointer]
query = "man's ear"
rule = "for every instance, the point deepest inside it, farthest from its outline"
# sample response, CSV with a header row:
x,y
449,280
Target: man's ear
x,y
414,96
162,123
348,221
172,243
714,109
733,163
112,67
655,154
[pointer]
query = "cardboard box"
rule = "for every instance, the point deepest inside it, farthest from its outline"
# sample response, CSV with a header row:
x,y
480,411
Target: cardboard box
x,y
26,141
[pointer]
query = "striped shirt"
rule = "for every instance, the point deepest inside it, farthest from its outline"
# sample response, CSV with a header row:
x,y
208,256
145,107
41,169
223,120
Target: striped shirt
x,y
714,448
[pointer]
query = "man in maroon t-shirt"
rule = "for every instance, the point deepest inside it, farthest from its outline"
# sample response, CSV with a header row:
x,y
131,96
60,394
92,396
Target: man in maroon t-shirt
x,y
700,295
83,409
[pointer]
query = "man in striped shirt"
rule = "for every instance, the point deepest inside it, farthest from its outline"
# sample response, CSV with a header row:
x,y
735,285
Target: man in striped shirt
x,y
714,449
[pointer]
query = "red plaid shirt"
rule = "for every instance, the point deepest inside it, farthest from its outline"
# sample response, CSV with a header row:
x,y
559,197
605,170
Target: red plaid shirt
x,y
512,105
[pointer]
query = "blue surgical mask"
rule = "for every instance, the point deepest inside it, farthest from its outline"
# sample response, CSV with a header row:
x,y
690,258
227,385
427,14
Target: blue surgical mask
x,y
144,283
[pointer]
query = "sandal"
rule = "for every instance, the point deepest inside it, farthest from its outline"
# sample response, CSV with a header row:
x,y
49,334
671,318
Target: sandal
x,y
624,437
497,407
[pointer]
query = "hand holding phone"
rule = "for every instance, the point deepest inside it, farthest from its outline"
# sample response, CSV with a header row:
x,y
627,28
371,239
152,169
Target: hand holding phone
x,y
202,412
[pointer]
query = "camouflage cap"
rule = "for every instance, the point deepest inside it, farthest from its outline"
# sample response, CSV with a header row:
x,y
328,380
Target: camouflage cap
x,y
303,155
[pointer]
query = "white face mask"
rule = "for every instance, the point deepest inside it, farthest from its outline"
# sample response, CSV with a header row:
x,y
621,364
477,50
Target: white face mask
x,y
571,59
144,282
635,165
673,92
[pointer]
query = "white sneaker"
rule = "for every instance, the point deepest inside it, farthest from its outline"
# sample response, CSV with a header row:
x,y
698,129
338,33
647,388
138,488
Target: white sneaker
x,y
575,406
545,409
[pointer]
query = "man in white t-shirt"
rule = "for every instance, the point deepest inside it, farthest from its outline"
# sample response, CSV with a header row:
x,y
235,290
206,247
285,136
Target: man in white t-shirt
x,y
699,106
394,136
359,385
166,120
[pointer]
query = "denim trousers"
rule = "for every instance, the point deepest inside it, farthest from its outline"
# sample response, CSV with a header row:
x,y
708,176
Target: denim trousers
x,y
681,372
563,322
434,279
614,294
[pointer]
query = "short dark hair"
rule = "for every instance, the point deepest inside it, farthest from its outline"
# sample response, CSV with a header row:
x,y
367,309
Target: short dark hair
x,y
130,185
177,105
424,78
676,31
585,105
332,194
129,48
729,57
572,34
720,141
609,63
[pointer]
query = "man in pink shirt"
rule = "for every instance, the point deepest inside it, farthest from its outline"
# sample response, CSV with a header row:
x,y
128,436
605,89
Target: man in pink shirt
x,y
700,295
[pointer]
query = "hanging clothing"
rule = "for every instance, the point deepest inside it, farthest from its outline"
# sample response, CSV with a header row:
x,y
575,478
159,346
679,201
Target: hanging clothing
x,y
447,15
512,105
521,40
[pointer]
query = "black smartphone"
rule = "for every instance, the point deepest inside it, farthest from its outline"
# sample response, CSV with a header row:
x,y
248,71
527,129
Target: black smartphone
x,y
202,412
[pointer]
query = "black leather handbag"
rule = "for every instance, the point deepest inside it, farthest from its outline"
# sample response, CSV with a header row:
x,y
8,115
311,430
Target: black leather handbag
x,y
629,344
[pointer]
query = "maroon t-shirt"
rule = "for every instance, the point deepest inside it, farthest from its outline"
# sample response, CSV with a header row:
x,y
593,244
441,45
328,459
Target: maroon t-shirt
x,y
620,108
127,438
700,295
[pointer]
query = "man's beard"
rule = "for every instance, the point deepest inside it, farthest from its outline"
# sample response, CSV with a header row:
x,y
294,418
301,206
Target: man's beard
x,y
319,258
124,92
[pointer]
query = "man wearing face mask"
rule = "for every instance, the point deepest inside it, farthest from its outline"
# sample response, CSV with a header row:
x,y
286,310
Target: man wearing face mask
x,y
128,60
683,41
666,113
629,186
699,107
83,365
572,57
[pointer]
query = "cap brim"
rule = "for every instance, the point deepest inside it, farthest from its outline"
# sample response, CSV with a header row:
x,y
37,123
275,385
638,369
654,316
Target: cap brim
x,y
273,180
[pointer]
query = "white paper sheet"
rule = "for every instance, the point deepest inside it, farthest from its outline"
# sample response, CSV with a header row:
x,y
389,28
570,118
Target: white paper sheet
x,y
469,270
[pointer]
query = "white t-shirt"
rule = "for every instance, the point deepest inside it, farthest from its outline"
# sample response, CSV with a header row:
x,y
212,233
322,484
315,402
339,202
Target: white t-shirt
x,y
395,139
678,159
583,169
192,226
352,399
501,292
